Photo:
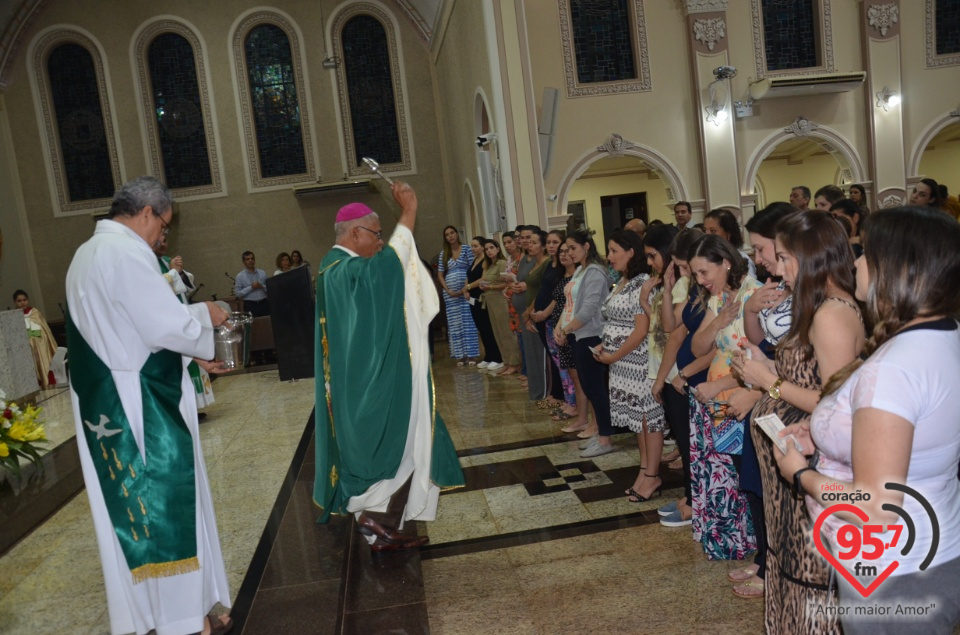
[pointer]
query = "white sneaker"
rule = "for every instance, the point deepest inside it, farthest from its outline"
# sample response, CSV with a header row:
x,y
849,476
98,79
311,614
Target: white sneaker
x,y
494,366
596,450
483,364
589,443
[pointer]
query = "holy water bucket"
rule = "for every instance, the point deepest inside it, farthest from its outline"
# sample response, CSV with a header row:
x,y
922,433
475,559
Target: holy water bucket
x,y
232,341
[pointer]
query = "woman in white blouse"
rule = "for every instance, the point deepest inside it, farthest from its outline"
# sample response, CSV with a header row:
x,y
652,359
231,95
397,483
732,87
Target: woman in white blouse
x,y
892,419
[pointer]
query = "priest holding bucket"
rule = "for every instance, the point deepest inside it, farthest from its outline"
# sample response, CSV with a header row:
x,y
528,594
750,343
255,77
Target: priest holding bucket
x,y
134,404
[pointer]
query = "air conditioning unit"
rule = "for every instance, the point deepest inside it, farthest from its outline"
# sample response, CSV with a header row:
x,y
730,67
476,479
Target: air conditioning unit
x,y
799,85
334,187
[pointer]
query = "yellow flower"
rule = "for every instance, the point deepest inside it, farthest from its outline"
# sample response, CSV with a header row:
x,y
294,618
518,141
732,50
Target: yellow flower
x,y
4,450
26,431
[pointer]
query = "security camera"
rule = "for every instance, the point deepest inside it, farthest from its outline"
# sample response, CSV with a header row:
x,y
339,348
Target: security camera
x,y
485,139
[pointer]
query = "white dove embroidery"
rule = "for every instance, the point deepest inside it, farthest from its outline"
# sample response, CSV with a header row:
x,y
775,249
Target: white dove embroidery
x,y
101,428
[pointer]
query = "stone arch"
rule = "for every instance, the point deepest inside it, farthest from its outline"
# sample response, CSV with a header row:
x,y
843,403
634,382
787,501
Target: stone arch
x,y
931,131
830,140
481,112
617,146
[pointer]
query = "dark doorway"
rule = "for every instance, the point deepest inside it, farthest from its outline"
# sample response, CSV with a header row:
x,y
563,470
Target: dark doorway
x,y
620,208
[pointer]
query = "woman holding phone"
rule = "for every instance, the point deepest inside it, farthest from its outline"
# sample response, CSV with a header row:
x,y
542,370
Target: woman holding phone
x,y
582,325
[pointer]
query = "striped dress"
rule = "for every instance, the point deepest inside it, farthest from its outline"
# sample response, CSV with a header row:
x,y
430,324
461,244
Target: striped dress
x,y
462,333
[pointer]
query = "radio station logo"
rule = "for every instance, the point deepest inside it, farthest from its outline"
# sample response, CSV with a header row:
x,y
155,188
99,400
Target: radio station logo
x,y
865,546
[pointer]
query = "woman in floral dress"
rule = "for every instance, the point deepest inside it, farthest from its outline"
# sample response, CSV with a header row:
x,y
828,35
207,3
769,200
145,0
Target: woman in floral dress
x,y
721,516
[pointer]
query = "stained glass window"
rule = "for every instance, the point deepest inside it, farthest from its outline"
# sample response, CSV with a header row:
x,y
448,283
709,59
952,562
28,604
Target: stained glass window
x,y
83,143
373,112
947,21
790,34
276,102
179,112
602,40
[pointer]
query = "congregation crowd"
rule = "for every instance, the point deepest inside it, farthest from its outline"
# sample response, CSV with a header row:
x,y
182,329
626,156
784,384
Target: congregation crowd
x,y
842,323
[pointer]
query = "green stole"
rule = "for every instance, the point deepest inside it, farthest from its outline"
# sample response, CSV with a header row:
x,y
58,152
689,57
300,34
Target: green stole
x,y
364,381
192,368
151,504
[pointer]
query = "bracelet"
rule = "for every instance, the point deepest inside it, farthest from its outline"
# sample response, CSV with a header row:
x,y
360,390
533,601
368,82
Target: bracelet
x,y
682,376
797,486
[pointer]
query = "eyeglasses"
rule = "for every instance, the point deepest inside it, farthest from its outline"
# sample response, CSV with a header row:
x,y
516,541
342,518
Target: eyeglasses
x,y
166,226
378,234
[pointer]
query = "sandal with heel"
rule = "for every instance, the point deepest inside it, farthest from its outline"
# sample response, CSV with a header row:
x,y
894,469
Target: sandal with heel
x,y
634,497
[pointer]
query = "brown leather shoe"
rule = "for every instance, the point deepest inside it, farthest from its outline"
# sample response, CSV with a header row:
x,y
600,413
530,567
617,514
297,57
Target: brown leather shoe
x,y
369,527
413,543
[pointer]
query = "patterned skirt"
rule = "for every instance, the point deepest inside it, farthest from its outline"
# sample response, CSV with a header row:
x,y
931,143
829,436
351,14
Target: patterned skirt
x,y
721,516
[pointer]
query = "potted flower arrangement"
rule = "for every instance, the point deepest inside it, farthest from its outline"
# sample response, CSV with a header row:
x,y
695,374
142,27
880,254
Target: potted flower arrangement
x,y
21,434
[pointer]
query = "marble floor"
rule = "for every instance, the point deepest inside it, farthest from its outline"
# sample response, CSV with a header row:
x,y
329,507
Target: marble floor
x,y
539,541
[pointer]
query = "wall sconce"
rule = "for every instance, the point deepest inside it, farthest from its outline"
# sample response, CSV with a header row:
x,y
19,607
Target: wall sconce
x,y
887,98
331,62
717,111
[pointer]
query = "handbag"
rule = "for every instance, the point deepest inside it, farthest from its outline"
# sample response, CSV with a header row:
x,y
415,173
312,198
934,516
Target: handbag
x,y
727,433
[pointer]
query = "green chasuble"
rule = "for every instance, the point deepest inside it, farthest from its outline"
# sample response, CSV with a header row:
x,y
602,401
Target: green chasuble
x,y
151,500
364,381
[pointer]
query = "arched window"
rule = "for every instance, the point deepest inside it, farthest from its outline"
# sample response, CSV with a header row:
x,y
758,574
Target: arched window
x,y
271,83
370,89
76,121
180,144
76,102
373,109
178,112
276,105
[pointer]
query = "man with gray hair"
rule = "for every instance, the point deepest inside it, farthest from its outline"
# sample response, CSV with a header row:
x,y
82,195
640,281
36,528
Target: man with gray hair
x,y
382,451
130,341
636,226
800,196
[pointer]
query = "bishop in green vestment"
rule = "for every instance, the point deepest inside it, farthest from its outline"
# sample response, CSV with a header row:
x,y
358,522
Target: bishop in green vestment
x,y
376,421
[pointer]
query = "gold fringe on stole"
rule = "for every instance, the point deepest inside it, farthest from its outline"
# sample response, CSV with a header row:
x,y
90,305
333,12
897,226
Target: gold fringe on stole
x,y
164,569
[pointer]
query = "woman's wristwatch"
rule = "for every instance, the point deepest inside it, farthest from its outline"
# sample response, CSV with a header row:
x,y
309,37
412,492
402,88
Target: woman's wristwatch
x,y
774,390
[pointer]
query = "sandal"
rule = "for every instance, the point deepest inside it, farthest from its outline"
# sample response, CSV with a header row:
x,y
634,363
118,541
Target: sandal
x,y
752,589
573,427
743,574
670,456
634,497
542,404
563,416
